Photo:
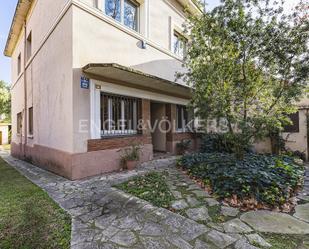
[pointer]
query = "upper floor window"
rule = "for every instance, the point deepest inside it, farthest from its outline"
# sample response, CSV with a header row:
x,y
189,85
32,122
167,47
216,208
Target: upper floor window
x,y
179,44
113,9
29,46
124,11
18,64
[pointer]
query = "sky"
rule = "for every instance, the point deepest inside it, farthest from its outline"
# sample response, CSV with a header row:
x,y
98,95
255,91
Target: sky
x,y
7,9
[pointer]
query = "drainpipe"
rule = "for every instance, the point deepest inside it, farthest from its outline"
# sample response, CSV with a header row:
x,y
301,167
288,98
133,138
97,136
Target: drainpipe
x,y
307,132
25,91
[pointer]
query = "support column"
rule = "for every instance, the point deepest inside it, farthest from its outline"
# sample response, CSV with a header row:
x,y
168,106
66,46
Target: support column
x,y
171,117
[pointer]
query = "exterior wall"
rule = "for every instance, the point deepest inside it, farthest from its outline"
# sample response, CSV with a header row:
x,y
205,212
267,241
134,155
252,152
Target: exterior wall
x,y
4,130
100,39
49,86
84,35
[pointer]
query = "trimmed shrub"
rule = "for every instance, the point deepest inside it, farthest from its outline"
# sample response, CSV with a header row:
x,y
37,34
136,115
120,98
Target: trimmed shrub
x,y
270,180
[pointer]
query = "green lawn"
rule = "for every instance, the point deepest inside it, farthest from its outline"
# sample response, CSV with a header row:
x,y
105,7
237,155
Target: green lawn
x,y
29,219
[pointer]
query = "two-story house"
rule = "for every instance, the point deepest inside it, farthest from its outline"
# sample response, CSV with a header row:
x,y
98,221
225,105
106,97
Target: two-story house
x,y
91,77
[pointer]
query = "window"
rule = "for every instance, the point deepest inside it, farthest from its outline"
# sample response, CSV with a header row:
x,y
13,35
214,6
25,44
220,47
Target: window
x,y
130,14
30,124
19,64
119,115
294,127
19,122
182,118
124,11
179,44
113,9
29,46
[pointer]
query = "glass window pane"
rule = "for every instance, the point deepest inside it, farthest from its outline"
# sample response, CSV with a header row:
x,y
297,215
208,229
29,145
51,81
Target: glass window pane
x,y
113,9
130,15
179,45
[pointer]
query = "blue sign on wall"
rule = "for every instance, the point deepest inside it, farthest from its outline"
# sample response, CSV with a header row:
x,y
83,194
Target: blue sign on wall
x,y
84,82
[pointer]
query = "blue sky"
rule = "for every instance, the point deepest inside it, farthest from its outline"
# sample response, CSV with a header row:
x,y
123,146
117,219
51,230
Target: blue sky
x,y
7,10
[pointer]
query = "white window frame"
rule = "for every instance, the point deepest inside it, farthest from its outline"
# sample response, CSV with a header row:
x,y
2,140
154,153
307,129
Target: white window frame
x,y
179,35
134,2
183,129
123,132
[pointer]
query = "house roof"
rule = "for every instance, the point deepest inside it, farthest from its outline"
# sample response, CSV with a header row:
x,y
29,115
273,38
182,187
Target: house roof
x,y
118,74
21,11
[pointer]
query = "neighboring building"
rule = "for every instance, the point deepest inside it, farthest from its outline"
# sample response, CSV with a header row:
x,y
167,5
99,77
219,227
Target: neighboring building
x,y
79,65
5,129
296,135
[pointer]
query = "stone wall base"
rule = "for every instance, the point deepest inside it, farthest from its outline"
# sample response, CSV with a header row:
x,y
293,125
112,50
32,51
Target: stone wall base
x,y
76,166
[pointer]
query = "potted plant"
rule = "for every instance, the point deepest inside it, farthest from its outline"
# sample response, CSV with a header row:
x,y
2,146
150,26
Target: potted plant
x,y
130,157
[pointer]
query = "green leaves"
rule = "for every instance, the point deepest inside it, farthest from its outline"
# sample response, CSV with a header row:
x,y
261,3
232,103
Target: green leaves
x,y
248,64
5,99
151,187
269,179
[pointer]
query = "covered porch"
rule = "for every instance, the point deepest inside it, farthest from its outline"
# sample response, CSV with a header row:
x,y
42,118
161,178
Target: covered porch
x,y
131,107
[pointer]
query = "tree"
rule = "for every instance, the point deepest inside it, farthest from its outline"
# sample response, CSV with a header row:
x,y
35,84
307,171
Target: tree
x,y
5,100
248,63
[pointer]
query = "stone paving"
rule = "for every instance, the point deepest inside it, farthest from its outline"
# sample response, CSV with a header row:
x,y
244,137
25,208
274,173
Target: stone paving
x,y
106,218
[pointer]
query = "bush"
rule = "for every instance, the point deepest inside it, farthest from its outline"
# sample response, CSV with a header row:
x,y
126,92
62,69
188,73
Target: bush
x,y
222,142
183,146
270,180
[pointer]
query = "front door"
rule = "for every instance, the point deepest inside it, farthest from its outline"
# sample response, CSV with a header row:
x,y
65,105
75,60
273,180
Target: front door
x,y
158,126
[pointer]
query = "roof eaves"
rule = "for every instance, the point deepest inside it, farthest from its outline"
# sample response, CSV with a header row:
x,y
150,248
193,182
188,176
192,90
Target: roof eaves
x,y
21,11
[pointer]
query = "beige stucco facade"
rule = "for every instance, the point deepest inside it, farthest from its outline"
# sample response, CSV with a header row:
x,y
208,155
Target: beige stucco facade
x,y
65,37
68,36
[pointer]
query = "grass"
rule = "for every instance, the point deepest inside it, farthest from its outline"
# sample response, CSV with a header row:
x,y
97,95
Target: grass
x,y
28,217
151,187
280,241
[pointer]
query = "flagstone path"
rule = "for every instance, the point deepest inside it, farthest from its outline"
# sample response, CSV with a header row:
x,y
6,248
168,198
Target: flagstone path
x,y
106,218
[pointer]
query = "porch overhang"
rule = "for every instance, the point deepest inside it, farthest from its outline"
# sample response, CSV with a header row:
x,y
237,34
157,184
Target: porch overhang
x,y
126,76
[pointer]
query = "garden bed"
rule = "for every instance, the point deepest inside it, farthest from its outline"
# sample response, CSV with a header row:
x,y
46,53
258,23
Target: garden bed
x,y
151,187
256,182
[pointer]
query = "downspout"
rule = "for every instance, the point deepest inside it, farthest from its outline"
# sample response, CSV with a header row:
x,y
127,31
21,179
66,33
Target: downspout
x,y
307,131
25,91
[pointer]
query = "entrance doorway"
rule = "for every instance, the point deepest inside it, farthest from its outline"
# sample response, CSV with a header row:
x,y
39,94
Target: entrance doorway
x,y
158,113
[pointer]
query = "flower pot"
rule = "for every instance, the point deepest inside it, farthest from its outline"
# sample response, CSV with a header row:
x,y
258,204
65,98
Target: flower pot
x,y
131,165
